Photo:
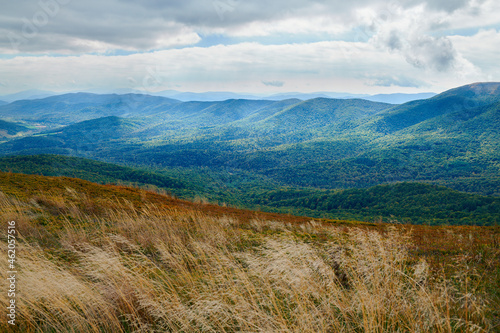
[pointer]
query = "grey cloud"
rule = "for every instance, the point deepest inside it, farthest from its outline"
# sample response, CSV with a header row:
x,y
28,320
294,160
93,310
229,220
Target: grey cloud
x,y
394,41
431,52
273,83
438,5
447,5
420,50
50,26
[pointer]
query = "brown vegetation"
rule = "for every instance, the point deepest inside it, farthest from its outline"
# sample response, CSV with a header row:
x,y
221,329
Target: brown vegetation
x,y
95,258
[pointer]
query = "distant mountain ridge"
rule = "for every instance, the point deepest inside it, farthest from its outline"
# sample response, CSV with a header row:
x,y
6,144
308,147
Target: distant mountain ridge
x,y
217,96
28,94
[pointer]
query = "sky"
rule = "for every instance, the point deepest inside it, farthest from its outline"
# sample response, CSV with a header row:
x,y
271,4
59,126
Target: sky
x,y
252,46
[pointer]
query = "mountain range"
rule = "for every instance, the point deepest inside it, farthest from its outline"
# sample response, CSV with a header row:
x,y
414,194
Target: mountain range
x,y
215,96
243,147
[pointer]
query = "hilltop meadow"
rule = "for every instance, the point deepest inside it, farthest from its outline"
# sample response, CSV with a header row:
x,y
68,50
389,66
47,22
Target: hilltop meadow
x,y
103,258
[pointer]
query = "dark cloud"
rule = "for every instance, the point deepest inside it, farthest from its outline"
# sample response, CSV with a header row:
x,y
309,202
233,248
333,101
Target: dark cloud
x,y
74,26
394,41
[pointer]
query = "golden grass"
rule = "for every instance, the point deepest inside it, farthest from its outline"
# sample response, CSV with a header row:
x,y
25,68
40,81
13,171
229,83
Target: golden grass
x,y
113,265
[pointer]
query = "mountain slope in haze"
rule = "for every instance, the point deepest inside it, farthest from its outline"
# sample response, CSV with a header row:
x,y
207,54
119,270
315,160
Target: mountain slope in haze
x,y
71,108
398,98
269,110
233,112
201,114
319,112
3,103
230,110
458,99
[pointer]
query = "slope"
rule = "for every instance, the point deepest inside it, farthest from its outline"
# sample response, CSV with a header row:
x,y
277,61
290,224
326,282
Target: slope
x,y
226,112
413,203
86,137
463,98
94,197
321,112
93,258
94,171
9,129
437,140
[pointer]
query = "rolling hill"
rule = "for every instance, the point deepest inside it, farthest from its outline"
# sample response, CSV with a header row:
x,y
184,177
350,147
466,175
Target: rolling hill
x,y
78,139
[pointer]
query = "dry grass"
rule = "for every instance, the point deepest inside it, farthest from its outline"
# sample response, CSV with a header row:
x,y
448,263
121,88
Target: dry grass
x,y
154,268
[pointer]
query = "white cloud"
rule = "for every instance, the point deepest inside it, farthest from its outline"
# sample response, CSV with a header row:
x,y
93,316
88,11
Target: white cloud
x,y
332,66
481,48
289,26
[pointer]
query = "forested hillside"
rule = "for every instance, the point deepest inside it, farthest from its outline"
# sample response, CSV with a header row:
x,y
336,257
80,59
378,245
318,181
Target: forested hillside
x,y
414,203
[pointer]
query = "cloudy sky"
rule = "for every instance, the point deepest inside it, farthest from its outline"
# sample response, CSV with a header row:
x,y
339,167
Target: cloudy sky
x,y
255,46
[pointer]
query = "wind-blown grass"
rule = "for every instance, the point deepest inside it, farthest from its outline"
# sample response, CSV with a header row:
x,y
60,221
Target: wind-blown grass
x,y
163,269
